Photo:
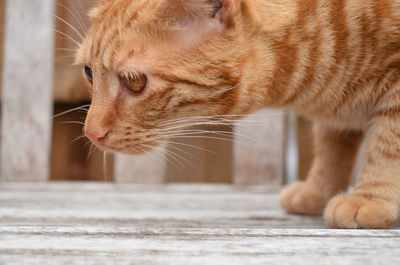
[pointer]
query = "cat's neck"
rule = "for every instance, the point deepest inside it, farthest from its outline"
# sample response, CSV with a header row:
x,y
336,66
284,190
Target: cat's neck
x,y
266,25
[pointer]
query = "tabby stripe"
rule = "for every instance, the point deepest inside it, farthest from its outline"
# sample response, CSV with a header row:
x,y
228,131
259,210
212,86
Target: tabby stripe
x,y
373,196
112,36
341,31
222,81
384,141
395,133
388,153
393,112
355,83
307,11
386,83
375,185
178,80
285,66
165,97
103,26
220,99
370,160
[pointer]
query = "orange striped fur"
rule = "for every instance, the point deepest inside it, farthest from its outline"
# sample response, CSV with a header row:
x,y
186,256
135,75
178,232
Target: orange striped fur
x,y
334,61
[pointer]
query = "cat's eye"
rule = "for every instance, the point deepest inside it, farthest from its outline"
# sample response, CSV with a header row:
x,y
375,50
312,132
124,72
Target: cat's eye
x,y
135,84
89,74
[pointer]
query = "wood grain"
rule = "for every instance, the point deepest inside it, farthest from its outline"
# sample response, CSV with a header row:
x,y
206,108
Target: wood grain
x,y
83,223
69,86
259,149
27,90
305,147
146,168
207,158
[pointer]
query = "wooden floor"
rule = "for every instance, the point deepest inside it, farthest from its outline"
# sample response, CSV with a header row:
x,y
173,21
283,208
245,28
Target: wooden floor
x,y
173,224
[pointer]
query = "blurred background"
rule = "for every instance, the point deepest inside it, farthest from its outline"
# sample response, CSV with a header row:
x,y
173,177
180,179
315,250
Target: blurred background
x,y
233,155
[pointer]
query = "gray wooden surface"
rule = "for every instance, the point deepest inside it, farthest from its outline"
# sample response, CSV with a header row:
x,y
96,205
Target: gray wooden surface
x,y
250,151
27,90
259,151
173,224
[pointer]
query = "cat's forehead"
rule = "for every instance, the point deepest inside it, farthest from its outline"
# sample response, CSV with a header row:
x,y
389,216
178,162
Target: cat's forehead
x,y
120,8
118,27
122,29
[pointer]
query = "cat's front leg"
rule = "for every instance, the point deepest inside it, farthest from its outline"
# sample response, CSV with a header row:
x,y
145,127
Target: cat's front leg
x,y
375,201
335,153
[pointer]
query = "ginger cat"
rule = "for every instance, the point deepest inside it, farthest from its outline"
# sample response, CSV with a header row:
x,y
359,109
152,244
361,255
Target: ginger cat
x,y
153,64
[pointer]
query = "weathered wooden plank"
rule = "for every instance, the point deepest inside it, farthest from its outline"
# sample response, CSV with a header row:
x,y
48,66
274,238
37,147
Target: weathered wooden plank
x,y
146,168
62,223
260,148
305,147
141,206
202,158
69,86
27,90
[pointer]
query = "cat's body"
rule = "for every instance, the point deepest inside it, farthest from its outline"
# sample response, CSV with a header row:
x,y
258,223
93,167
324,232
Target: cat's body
x,y
337,60
334,61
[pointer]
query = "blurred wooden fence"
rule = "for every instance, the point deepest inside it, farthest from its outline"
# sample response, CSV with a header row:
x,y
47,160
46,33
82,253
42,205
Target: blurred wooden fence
x,y
35,74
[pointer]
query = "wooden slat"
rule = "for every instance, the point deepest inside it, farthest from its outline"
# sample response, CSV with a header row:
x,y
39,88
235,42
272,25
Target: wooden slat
x,y
27,90
205,158
199,159
146,168
173,224
255,157
73,157
2,18
260,148
69,86
305,147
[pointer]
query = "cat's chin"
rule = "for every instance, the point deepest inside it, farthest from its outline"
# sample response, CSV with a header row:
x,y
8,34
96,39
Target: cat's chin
x,y
128,151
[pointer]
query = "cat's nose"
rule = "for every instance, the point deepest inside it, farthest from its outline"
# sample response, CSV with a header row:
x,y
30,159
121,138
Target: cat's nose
x,y
97,135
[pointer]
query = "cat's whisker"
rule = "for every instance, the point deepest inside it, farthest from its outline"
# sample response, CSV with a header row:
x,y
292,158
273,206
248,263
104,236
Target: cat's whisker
x,y
194,123
76,139
80,21
65,49
91,151
87,143
71,110
181,157
168,155
213,138
185,152
80,7
174,156
71,122
64,57
152,154
221,133
68,37
229,117
69,25
186,145
264,115
188,125
227,123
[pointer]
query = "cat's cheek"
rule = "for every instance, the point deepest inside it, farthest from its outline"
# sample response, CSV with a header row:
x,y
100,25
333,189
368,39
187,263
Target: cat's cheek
x,y
113,84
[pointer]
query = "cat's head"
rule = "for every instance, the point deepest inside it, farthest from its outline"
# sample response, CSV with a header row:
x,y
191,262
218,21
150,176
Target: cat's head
x,y
152,64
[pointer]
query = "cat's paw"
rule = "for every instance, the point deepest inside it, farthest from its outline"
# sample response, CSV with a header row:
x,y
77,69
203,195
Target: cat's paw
x,y
302,199
352,211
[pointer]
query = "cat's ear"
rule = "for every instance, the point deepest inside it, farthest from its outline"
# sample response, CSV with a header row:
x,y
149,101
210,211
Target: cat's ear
x,y
195,21
186,12
224,10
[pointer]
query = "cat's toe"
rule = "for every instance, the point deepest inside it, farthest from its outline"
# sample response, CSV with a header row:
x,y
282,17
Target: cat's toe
x,y
351,211
302,199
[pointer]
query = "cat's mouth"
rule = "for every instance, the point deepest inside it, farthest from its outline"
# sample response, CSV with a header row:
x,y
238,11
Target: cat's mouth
x,y
130,146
